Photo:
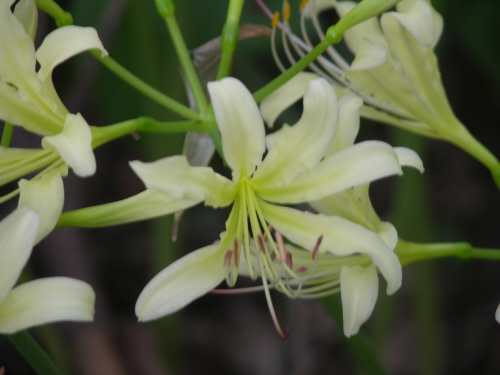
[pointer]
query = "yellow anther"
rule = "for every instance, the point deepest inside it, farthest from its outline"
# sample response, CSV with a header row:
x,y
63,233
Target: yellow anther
x,y
276,20
303,3
286,11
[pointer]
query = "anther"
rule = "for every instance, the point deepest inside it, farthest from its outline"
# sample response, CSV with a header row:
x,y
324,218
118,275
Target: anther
x,y
316,247
227,258
303,3
262,247
236,253
289,261
281,246
301,269
286,11
276,20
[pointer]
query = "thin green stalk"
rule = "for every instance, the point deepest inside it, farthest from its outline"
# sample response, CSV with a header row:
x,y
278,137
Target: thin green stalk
x,y
172,126
229,37
166,9
34,354
50,7
8,130
360,345
146,89
332,37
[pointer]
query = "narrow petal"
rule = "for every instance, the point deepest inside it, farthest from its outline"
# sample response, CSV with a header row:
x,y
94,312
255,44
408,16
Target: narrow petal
x,y
359,292
340,237
27,13
45,196
388,233
419,21
146,205
497,314
409,158
17,236
178,179
362,163
240,124
300,147
348,126
44,301
183,281
273,105
368,56
74,145
63,43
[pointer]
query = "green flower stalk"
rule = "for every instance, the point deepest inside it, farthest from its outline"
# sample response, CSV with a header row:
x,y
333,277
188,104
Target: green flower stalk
x,y
394,71
28,98
295,170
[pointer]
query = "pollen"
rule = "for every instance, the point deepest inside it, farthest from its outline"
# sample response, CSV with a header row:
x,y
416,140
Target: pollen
x,y
286,11
303,3
276,20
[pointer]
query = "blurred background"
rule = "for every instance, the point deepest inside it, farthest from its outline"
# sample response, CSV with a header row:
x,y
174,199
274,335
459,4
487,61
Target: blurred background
x,y
440,322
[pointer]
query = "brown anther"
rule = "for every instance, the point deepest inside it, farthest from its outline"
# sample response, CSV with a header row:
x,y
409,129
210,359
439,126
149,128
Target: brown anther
x,y
286,334
273,256
262,247
289,261
276,20
281,245
236,252
316,247
303,3
227,258
286,11
301,269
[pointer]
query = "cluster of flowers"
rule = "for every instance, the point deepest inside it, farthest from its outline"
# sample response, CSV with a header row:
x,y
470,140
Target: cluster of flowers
x,y
393,78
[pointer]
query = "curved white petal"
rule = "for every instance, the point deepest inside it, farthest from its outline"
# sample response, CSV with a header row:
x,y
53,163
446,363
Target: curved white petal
x,y
409,158
183,281
359,292
74,145
388,233
17,237
45,196
146,205
348,126
300,147
177,178
274,104
368,56
419,21
63,43
340,237
362,163
44,301
497,314
240,123
27,13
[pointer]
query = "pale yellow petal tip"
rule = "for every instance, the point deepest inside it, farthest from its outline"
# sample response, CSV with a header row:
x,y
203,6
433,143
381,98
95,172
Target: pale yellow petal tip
x,y
419,21
368,56
409,158
497,314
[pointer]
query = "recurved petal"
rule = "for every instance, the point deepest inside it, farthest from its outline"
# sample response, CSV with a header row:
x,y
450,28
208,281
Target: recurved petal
x,y
273,105
359,292
27,13
44,301
182,282
368,56
74,145
419,21
359,164
340,237
45,196
17,237
177,178
63,43
348,126
300,147
388,233
240,123
409,158
149,204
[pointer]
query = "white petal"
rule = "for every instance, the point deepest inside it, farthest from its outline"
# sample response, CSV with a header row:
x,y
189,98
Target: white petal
x,y
146,205
177,178
63,43
409,158
183,281
348,126
340,237
388,233
497,314
27,13
359,164
368,56
419,21
44,301
45,196
240,124
273,105
74,145
359,292
300,147
17,236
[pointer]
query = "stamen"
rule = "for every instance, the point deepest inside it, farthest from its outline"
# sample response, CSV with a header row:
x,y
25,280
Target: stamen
x,y
262,247
286,11
316,247
303,3
273,256
289,261
276,20
301,269
236,253
250,289
281,246
227,258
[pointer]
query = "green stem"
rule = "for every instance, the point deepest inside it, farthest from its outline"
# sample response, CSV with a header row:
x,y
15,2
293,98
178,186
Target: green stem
x,y
8,130
146,89
360,345
172,127
166,9
50,7
33,353
229,37
332,37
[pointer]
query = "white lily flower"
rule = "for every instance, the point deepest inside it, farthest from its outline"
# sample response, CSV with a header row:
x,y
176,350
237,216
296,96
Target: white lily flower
x,y
40,301
28,98
394,71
